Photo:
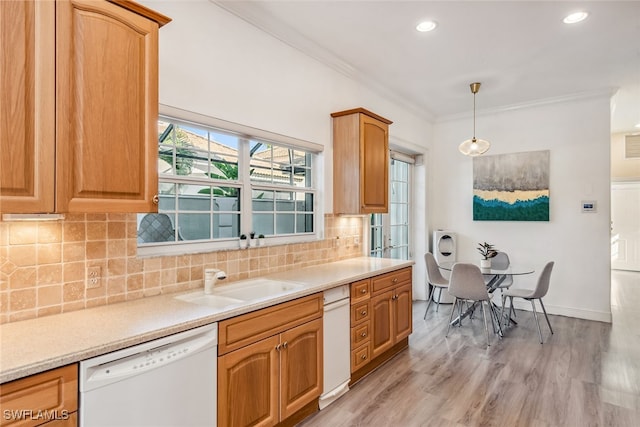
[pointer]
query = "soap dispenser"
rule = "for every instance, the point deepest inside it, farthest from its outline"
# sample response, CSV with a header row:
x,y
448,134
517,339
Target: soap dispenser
x,y
211,277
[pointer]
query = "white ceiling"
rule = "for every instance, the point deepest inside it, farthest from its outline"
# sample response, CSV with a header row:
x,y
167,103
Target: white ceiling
x,y
521,51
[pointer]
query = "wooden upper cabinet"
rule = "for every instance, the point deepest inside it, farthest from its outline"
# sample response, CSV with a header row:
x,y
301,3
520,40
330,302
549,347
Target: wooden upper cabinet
x,y
107,105
360,162
79,108
27,94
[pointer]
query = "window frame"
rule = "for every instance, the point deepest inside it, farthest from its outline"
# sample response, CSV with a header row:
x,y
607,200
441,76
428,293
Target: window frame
x,y
383,223
245,135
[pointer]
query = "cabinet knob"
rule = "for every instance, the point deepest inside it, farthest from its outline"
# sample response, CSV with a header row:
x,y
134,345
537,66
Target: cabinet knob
x,y
363,312
363,357
394,280
155,199
278,347
363,291
285,344
364,334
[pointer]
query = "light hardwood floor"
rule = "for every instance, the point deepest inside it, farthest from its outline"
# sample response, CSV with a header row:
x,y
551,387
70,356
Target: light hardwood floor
x,y
586,374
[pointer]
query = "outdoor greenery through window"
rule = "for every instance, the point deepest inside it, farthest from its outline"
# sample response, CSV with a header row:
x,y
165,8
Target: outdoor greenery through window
x,y
215,185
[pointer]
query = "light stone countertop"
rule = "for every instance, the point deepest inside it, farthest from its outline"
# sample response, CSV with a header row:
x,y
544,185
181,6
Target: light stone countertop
x,y
31,346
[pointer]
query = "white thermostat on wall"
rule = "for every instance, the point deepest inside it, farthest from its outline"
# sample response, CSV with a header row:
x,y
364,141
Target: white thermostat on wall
x,y
589,205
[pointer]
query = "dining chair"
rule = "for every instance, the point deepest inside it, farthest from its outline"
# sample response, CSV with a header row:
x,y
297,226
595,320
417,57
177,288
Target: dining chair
x,y
530,295
501,262
466,284
435,279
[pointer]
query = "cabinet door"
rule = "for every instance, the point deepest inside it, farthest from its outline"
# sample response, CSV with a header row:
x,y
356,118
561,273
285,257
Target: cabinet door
x,y
402,312
27,106
107,108
248,385
53,393
300,367
374,176
382,337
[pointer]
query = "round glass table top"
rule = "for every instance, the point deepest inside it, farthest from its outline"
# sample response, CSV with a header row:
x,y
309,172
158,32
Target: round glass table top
x,y
513,269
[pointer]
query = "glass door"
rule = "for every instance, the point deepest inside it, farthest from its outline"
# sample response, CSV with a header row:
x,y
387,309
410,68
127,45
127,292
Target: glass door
x,y
389,233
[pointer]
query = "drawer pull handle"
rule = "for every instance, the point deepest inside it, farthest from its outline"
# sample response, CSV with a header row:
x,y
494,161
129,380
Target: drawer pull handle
x,y
363,357
363,312
364,334
395,280
363,291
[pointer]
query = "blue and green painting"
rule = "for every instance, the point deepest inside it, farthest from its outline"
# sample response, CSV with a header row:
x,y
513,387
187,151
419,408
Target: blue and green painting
x,y
511,187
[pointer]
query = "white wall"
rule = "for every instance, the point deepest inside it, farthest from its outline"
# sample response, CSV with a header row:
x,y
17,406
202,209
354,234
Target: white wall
x,y
578,135
213,63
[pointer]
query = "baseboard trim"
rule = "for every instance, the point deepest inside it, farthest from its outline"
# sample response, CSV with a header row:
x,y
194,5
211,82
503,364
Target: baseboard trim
x,y
579,313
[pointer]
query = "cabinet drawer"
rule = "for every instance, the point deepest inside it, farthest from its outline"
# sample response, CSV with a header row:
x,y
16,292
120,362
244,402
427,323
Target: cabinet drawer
x,y
388,280
360,290
360,357
360,312
248,328
360,334
54,393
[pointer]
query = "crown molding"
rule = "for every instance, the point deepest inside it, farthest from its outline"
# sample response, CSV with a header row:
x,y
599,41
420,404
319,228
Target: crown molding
x,y
251,13
581,96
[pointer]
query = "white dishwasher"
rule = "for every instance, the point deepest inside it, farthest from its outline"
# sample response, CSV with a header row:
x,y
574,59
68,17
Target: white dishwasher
x,y
171,381
337,342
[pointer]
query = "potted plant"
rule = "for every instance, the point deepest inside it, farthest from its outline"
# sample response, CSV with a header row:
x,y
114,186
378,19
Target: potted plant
x,y
243,238
487,251
260,239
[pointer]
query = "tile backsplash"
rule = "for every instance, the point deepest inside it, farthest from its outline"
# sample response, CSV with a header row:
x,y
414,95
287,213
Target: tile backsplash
x,y
43,264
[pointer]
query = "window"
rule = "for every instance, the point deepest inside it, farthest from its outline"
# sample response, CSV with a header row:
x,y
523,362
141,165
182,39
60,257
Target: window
x,y
216,184
389,233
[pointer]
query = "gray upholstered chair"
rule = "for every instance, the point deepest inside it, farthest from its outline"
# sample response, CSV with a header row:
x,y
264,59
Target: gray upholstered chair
x,y
467,284
435,279
540,291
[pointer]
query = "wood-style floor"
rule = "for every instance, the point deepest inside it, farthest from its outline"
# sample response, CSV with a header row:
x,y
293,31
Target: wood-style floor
x,y
586,374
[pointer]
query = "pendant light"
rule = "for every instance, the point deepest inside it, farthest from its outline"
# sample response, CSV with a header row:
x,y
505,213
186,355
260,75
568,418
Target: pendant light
x,y
473,146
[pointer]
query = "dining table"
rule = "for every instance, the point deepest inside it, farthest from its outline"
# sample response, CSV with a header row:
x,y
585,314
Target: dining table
x,y
495,277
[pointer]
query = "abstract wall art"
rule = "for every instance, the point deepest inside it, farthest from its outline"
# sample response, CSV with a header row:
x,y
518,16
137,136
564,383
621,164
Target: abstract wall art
x,y
511,187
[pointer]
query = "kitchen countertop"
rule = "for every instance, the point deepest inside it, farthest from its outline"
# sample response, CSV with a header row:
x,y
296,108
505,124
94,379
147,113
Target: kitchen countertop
x,y
31,346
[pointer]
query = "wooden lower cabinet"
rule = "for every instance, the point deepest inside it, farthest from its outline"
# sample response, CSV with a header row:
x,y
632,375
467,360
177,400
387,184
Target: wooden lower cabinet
x,y
248,385
381,320
391,318
49,398
267,381
300,367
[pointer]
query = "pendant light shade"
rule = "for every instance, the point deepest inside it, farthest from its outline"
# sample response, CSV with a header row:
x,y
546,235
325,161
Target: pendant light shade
x,y
474,146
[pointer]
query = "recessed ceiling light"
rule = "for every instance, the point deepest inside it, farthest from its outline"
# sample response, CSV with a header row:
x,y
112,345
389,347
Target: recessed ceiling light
x,y
575,17
425,26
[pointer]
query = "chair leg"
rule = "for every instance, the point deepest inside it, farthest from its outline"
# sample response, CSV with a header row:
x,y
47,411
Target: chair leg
x,y
484,316
506,322
439,296
460,315
545,315
511,309
535,315
433,289
453,309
